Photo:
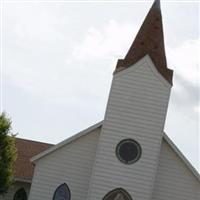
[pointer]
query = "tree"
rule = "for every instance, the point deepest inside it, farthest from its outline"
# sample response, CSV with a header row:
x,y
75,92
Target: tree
x,y
7,154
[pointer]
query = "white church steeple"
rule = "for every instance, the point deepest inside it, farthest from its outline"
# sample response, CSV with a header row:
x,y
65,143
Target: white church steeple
x,y
130,141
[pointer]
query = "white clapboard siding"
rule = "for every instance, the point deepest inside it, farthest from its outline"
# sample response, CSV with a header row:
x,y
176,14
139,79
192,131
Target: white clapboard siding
x,y
136,109
70,164
16,186
174,179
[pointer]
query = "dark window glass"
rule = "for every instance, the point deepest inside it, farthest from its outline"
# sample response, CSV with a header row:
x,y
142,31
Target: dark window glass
x,y
128,151
62,193
118,194
20,194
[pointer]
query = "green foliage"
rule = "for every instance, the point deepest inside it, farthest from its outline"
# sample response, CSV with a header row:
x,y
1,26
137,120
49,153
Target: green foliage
x,y
7,154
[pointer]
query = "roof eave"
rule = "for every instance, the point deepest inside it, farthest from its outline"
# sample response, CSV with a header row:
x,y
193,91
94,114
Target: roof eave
x,y
97,125
65,142
183,158
24,180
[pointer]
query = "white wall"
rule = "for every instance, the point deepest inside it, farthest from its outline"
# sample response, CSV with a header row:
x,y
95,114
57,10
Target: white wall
x,y
71,164
17,185
174,180
136,109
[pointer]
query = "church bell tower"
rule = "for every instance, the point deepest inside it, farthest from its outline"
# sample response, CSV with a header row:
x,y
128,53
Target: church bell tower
x,y
128,150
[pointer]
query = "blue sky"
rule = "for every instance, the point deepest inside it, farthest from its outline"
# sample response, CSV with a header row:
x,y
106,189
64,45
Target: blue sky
x,y
58,60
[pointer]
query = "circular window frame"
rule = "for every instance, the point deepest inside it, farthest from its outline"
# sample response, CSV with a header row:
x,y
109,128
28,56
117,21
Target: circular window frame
x,y
139,148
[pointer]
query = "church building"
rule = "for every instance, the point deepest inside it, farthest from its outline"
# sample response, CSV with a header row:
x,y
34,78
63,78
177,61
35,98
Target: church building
x,y
127,156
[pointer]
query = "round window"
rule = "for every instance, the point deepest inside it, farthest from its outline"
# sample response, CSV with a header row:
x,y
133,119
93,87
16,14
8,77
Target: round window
x,y
128,151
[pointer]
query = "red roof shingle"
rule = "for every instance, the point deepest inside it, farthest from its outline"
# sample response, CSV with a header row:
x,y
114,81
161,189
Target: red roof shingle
x,y
26,149
149,40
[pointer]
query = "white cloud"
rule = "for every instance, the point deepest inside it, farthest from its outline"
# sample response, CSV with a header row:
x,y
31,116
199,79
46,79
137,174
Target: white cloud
x,y
111,40
92,61
32,24
182,122
95,55
76,77
184,60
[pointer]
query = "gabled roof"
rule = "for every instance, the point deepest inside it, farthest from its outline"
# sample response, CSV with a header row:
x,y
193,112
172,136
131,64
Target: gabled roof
x,y
181,156
23,168
149,41
67,141
98,125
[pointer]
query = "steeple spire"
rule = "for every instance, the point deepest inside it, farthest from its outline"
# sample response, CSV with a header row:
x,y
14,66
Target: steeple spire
x,y
156,4
149,40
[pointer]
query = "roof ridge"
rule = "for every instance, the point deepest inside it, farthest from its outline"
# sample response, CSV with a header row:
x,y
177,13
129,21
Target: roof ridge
x,y
35,141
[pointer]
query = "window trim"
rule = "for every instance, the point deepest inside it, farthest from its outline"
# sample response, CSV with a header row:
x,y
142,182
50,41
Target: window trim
x,y
138,147
120,190
20,189
63,184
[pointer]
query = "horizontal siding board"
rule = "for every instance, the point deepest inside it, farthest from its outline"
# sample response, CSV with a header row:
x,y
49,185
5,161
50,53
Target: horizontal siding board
x,y
174,180
134,123
136,119
144,99
138,134
137,131
145,90
71,164
136,109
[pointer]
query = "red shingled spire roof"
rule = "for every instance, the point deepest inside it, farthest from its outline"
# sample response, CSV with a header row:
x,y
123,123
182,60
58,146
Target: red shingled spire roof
x,y
149,40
